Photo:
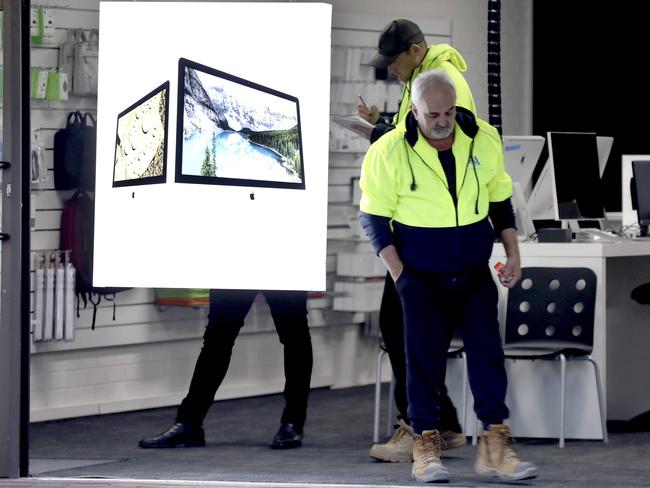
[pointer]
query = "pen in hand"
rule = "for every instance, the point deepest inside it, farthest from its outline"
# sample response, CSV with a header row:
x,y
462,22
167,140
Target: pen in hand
x,y
370,114
363,102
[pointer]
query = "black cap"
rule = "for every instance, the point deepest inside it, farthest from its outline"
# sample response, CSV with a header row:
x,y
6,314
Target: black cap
x,y
396,38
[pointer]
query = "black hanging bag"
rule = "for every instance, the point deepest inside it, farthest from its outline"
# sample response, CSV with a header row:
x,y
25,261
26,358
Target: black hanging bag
x,y
74,153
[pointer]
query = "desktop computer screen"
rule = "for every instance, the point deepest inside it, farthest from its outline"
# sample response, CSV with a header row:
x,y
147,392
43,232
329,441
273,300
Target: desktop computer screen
x,y
575,174
541,201
520,157
641,194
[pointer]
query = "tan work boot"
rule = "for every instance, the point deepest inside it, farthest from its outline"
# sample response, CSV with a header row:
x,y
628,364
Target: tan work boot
x,y
427,465
453,439
497,458
399,449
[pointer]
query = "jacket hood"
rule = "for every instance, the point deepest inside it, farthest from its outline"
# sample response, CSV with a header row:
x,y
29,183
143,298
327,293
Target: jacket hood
x,y
465,119
444,52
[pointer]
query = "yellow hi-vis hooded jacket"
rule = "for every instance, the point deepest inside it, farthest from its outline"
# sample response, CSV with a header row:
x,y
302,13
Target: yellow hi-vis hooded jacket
x,y
403,179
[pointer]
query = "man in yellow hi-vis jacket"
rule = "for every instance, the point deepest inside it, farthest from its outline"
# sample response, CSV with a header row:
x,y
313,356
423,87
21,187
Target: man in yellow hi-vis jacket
x,y
429,187
402,50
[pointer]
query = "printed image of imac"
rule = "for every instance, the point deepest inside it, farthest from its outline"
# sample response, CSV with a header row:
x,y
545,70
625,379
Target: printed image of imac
x,y
141,140
231,131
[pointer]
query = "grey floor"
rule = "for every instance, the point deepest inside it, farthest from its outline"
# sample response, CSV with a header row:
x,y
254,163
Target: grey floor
x,y
98,451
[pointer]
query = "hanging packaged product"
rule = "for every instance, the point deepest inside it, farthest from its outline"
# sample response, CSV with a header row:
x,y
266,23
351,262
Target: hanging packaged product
x,y
39,83
42,28
57,86
86,56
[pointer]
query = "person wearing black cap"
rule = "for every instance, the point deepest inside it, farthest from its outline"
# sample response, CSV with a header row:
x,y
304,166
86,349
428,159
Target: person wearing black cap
x,y
402,50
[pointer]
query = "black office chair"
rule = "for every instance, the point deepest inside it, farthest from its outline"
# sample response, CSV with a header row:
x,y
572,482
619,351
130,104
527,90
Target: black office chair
x,y
550,315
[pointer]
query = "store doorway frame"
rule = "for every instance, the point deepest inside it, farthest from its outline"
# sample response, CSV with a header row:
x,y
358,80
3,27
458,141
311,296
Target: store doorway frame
x,y
14,273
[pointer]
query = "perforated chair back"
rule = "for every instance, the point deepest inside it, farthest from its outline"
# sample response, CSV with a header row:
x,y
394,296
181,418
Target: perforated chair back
x,y
552,310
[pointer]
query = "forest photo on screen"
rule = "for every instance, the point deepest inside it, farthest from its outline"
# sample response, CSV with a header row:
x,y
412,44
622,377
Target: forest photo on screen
x,y
239,132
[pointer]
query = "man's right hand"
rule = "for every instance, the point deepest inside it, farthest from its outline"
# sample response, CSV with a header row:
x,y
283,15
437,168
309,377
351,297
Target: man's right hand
x,y
392,261
371,114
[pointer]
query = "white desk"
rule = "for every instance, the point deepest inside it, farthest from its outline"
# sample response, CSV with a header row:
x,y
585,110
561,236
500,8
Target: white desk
x,y
621,345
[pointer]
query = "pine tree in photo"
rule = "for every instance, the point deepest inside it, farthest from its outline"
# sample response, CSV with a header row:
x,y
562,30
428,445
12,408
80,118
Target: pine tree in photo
x,y
207,168
214,153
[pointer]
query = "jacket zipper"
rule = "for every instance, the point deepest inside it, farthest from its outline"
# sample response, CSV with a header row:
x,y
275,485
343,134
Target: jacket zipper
x,y
454,198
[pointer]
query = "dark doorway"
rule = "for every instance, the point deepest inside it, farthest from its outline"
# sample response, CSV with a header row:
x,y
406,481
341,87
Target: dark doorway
x,y
589,75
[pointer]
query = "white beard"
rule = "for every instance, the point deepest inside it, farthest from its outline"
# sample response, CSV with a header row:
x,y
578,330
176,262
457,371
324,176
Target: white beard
x,y
440,132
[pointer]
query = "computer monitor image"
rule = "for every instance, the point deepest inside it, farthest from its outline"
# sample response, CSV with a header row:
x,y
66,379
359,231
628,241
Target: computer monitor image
x,y
641,194
520,157
141,140
232,131
575,173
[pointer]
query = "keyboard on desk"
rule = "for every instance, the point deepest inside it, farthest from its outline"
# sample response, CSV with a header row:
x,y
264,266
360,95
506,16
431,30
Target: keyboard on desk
x,y
597,235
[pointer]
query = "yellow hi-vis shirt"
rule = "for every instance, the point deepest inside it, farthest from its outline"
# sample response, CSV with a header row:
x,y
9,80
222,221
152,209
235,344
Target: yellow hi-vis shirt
x,y
386,179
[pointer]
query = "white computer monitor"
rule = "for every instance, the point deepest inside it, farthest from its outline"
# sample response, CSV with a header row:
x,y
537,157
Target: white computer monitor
x,y
520,157
541,199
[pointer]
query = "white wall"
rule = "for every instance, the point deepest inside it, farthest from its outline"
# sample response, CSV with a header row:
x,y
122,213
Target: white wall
x,y
145,357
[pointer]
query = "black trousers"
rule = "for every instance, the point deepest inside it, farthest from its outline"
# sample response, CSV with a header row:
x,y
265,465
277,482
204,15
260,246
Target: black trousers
x,y
228,308
391,324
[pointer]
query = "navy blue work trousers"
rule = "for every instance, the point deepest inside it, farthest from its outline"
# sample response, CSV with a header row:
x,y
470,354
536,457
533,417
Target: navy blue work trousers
x,y
391,325
434,304
228,309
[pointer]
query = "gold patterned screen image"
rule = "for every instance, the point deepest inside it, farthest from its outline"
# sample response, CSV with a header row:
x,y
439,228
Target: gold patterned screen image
x,y
140,152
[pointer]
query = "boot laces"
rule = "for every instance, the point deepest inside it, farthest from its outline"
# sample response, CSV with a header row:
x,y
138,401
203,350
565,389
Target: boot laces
x,y
400,432
433,446
506,450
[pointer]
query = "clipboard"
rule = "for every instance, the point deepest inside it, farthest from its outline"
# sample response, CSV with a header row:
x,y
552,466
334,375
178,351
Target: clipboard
x,y
354,123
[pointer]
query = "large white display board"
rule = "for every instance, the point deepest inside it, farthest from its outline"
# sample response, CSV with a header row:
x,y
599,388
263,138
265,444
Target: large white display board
x,y
194,235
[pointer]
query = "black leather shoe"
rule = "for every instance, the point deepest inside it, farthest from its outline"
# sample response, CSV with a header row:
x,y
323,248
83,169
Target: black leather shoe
x,y
177,435
288,437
